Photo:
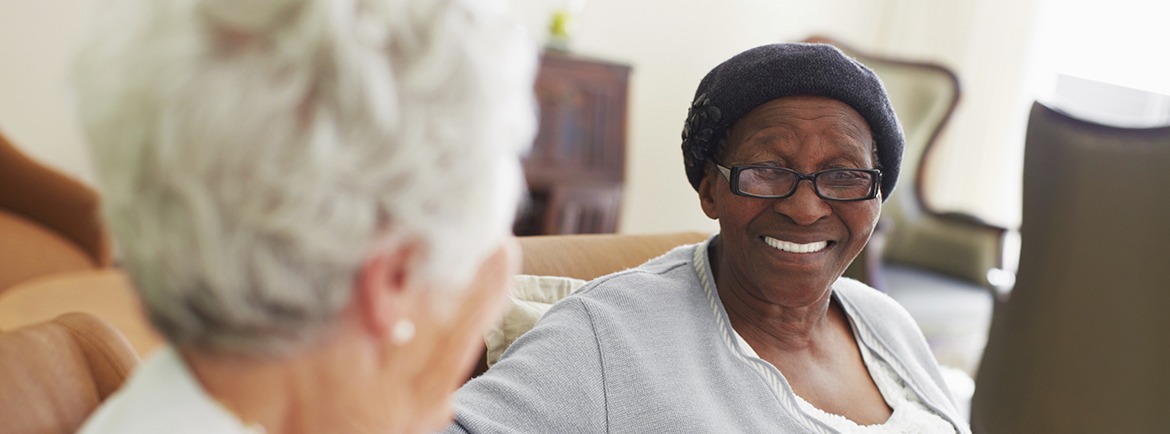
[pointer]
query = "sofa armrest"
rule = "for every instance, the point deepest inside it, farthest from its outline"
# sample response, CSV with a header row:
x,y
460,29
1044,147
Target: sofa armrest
x,y
588,256
955,244
60,203
30,250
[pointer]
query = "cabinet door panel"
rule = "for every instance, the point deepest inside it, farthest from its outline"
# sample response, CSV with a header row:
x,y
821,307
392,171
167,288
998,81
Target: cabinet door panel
x,y
582,119
576,167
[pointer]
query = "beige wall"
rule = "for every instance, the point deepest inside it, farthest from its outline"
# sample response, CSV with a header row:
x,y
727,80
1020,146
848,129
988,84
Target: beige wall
x,y
672,43
36,38
669,43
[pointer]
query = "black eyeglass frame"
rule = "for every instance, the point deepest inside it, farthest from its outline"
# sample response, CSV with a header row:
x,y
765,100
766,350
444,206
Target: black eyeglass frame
x,y
732,176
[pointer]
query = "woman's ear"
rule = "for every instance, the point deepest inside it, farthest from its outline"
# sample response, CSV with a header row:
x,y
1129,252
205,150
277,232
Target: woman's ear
x,y
382,288
707,192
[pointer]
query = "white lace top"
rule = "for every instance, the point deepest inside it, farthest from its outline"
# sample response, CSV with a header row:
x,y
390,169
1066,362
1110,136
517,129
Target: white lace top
x,y
909,416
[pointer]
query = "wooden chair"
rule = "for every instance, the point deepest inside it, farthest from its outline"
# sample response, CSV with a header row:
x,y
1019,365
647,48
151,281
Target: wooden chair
x,y
54,374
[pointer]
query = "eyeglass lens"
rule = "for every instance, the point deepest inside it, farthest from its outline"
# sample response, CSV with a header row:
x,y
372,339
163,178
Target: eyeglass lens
x,y
835,184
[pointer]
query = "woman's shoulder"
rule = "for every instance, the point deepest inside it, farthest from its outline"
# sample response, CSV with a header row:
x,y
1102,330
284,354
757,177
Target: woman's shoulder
x,y
668,270
664,288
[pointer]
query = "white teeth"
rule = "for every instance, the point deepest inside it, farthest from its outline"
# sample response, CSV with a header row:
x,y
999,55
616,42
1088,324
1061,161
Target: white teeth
x,y
796,248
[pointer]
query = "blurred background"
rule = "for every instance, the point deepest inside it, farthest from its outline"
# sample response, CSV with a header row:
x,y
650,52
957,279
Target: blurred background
x,y
1005,52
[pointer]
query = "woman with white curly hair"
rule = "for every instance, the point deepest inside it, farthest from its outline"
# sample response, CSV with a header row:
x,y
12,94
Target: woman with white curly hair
x,y
314,199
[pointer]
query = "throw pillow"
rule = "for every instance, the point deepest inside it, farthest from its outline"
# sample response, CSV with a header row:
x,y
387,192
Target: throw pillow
x,y
531,296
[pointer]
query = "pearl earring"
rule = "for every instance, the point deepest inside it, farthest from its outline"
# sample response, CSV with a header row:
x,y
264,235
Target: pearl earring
x,y
403,332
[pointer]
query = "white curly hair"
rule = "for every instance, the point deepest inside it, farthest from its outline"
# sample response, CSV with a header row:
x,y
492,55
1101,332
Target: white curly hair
x,y
252,153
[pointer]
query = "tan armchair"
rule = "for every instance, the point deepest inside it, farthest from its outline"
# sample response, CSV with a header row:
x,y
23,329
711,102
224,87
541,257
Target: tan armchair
x,y
588,256
109,295
54,374
49,222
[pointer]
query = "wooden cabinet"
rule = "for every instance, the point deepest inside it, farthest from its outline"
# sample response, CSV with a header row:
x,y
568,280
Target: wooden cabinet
x,y
576,168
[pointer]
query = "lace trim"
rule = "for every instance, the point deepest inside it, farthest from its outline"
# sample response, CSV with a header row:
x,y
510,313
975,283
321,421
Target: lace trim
x,y
909,415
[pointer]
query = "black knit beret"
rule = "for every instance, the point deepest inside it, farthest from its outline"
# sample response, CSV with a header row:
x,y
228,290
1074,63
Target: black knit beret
x,y
763,74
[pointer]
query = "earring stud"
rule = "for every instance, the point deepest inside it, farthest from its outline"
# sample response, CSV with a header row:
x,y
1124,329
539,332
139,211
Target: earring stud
x,y
403,332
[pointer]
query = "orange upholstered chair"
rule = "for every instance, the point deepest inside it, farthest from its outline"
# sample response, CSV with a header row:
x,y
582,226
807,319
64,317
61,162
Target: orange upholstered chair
x,y
53,374
107,294
49,223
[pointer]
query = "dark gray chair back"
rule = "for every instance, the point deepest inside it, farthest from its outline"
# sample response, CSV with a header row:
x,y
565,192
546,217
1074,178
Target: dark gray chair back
x,y
1083,343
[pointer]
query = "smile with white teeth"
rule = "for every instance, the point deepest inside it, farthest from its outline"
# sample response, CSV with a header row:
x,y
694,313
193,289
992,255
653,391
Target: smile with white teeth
x,y
788,246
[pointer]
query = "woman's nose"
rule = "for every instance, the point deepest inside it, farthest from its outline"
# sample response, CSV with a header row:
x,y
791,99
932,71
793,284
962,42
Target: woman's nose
x,y
804,207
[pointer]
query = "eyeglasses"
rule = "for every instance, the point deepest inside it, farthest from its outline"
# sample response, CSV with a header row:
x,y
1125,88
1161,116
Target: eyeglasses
x,y
769,182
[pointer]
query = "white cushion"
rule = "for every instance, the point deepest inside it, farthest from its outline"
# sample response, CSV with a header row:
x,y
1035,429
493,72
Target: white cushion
x,y
531,297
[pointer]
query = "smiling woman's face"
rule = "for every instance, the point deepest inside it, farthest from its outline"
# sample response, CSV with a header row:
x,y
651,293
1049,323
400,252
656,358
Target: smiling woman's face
x,y
789,251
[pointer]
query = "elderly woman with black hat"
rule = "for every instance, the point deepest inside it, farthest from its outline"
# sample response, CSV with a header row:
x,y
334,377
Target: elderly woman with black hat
x,y
753,330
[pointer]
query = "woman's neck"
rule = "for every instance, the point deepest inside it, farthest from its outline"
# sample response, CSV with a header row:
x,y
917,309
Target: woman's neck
x,y
265,392
305,392
789,328
763,321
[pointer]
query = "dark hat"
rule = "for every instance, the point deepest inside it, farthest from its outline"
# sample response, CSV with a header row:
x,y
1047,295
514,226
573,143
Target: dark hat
x,y
762,74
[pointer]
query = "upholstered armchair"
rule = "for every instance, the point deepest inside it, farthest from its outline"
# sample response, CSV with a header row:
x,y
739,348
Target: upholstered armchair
x,y
935,263
49,222
54,374
55,252
555,265
914,236
109,294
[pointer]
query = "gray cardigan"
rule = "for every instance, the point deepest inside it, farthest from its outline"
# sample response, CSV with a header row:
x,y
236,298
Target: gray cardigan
x,y
651,350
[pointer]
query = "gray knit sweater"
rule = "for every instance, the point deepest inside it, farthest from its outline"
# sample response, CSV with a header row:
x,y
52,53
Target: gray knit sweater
x,y
651,350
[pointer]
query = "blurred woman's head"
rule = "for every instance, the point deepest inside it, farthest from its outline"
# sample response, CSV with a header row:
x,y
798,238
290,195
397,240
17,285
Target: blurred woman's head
x,y
254,154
